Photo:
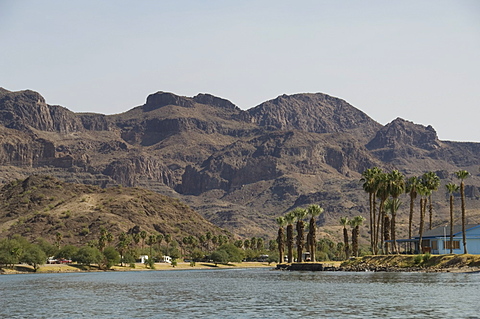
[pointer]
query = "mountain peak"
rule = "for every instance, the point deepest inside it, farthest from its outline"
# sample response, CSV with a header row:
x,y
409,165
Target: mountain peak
x,y
400,132
161,99
208,99
311,112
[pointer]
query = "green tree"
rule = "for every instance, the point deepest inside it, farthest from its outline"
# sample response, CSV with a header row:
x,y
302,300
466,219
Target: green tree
x,y
432,182
152,239
382,194
313,211
143,236
424,192
451,188
260,244
111,257
58,239
289,219
34,256
122,245
234,254
87,255
344,221
159,241
411,189
369,180
168,239
10,251
300,215
355,223
219,257
462,175
67,252
395,187
391,205
49,249
281,238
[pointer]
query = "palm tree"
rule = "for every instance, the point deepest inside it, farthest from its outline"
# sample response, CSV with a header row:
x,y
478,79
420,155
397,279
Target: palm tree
x,y
152,239
289,218
411,189
123,242
159,241
461,175
344,221
391,205
281,238
168,239
382,193
313,211
395,187
369,185
300,214
431,181
143,235
451,188
58,239
424,192
355,223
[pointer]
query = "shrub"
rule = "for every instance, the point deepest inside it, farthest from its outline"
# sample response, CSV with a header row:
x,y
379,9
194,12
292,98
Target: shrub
x,y
418,259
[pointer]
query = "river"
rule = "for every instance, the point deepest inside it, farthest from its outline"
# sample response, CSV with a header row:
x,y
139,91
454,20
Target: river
x,y
240,293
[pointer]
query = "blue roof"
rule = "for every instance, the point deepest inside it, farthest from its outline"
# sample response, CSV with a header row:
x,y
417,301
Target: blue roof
x,y
445,230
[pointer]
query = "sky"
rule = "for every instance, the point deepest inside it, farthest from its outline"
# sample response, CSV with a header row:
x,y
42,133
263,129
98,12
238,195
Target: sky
x,y
418,60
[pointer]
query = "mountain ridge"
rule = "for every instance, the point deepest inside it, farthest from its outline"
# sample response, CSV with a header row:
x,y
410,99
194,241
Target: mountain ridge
x,y
229,164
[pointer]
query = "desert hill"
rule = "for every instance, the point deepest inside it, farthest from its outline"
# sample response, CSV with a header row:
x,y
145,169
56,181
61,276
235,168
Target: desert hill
x,y
41,206
239,169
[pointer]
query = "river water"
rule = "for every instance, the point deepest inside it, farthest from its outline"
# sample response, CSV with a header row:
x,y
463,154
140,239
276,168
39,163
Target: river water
x,y
240,293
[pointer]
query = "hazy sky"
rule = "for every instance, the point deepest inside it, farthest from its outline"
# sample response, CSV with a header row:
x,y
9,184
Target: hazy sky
x,y
418,60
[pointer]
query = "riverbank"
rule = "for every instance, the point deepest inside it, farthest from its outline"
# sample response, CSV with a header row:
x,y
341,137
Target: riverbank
x,y
424,263
66,268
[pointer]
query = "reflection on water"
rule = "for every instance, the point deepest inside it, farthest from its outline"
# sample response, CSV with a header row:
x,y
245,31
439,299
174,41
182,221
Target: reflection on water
x,y
244,293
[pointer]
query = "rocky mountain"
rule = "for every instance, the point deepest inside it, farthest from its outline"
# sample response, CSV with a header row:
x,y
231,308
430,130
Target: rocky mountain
x,y
239,169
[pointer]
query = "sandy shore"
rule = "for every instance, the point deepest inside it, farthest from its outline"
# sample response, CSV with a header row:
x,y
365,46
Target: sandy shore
x,y
65,268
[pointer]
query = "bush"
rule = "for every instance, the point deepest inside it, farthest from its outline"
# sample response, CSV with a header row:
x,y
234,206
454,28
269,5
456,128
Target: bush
x,y
418,259
112,257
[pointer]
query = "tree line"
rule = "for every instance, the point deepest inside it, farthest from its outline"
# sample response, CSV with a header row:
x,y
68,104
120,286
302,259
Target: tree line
x,y
384,190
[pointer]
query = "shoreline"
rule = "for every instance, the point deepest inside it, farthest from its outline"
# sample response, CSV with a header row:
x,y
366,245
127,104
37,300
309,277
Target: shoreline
x,y
73,268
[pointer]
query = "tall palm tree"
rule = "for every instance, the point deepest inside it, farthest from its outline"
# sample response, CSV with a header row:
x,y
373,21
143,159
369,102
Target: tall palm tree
x,y
395,187
281,238
369,186
392,205
300,215
313,211
355,223
151,240
344,221
424,192
451,188
289,219
431,181
143,235
159,241
58,239
168,239
461,175
382,193
411,189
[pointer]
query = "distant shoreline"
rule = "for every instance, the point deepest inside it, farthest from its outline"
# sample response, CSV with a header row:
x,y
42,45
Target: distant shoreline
x,y
73,268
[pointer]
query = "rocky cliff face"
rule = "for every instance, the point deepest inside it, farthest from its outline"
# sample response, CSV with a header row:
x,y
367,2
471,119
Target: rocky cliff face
x,y
25,109
239,168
